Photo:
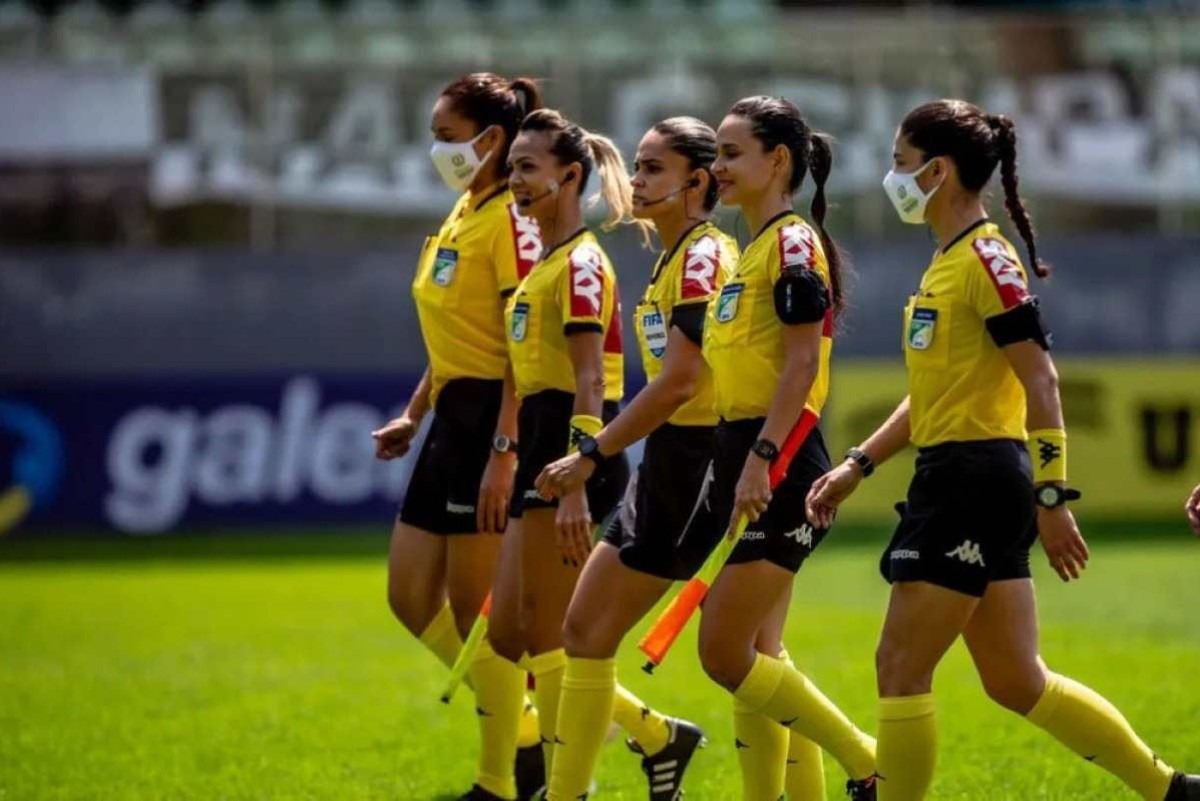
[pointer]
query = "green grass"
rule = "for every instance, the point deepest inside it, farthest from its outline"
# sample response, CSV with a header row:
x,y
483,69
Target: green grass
x,y
272,669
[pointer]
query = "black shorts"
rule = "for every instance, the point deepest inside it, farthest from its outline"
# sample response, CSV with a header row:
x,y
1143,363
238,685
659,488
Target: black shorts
x,y
543,431
666,526
444,486
970,517
783,534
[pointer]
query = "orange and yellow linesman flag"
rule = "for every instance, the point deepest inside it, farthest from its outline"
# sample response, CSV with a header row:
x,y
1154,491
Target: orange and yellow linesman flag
x,y
674,618
466,654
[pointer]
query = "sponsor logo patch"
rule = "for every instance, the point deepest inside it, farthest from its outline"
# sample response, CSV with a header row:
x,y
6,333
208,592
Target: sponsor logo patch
x,y
700,269
587,282
444,266
727,302
921,328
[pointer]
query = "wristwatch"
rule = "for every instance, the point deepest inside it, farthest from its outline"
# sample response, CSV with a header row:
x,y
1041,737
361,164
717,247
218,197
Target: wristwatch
x,y
861,459
502,444
589,448
1052,496
765,449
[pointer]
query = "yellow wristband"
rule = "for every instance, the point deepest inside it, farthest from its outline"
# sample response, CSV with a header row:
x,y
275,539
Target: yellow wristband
x,y
583,425
1048,450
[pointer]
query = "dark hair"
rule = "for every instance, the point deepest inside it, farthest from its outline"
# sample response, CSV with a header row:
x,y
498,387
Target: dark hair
x,y
777,121
571,144
696,142
976,142
486,99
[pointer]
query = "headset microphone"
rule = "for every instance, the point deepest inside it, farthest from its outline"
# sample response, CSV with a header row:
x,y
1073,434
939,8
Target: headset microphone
x,y
693,182
551,187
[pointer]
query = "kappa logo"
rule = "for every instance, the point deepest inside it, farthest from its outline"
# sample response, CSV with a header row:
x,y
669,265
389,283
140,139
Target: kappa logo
x,y
1004,271
459,508
796,246
1048,451
587,281
802,535
754,536
968,552
700,268
527,239
905,553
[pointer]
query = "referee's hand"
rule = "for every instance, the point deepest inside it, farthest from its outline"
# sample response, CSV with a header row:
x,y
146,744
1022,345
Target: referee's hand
x,y
495,489
828,492
1193,510
753,493
393,440
1062,542
566,475
573,523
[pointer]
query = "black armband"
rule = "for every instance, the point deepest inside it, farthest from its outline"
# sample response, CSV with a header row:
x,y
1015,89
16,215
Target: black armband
x,y
1020,324
689,319
800,297
582,328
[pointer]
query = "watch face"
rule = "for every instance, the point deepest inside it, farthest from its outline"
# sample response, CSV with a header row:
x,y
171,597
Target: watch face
x,y
501,443
1049,496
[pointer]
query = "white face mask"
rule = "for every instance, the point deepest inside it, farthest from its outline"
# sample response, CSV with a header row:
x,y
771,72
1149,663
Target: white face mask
x,y
906,195
457,162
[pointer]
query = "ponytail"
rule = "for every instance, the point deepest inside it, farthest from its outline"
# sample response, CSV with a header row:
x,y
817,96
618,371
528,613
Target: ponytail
x,y
1005,135
614,185
820,164
529,96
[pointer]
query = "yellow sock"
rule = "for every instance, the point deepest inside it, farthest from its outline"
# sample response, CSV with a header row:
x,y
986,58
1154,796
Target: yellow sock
x,y
651,730
786,695
804,777
499,701
1090,726
907,747
584,711
441,636
547,670
762,750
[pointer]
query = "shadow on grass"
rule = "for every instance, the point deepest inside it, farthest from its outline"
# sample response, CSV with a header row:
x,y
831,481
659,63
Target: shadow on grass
x,y
324,543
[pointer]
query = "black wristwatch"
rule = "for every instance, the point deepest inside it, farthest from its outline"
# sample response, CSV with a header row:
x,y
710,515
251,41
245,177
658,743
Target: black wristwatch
x,y
861,459
1052,496
502,444
589,448
765,449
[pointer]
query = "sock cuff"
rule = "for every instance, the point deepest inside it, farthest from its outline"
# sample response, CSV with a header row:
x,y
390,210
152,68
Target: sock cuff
x,y
907,707
541,664
1051,696
590,674
786,658
761,682
442,622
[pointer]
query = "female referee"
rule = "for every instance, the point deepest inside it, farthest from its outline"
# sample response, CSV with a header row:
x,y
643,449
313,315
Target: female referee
x,y
979,373
768,338
444,541
665,529
564,340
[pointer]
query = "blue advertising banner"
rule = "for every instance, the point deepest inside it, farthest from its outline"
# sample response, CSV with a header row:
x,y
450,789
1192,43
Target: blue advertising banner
x,y
142,457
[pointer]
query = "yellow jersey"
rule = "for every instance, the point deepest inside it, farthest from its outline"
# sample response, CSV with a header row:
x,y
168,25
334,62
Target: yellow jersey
x,y
961,386
572,289
477,258
687,278
743,336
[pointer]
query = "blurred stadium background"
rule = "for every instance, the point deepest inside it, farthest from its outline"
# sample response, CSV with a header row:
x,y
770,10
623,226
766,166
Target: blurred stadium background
x,y
210,212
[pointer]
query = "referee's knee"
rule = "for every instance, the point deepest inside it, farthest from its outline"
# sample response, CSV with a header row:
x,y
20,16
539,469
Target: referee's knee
x,y
1017,688
585,639
900,672
725,662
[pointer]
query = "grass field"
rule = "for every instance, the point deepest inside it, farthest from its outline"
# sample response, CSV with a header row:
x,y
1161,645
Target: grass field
x,y
270,668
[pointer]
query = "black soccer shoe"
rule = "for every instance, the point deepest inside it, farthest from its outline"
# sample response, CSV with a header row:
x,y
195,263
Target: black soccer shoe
x,y
530,770
665,769
477,793
861,790
1184,787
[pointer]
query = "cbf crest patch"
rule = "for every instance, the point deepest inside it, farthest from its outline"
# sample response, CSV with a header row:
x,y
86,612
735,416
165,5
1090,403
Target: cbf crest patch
x,y
444,266
921,328
727,302
519,322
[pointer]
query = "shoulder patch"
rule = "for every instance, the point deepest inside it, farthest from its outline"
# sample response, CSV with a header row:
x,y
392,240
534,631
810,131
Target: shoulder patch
x,y
587,281
1003,269
796,247
527,240
701,262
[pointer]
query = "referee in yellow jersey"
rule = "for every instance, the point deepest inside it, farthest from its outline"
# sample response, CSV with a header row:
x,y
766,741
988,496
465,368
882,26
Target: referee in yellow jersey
x,y
991,474
665,529
768,337
564,341
444,542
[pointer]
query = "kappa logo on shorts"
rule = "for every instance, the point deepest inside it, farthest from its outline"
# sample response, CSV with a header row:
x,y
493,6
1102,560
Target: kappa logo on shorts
x,y
905,553
459,508
802,535
753,536
968,552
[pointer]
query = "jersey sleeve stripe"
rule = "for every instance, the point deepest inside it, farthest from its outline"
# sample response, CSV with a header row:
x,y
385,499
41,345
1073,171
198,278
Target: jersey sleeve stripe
x,y
1003,270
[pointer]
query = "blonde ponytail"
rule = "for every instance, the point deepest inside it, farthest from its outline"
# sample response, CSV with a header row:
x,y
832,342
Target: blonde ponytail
x,y
614,185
